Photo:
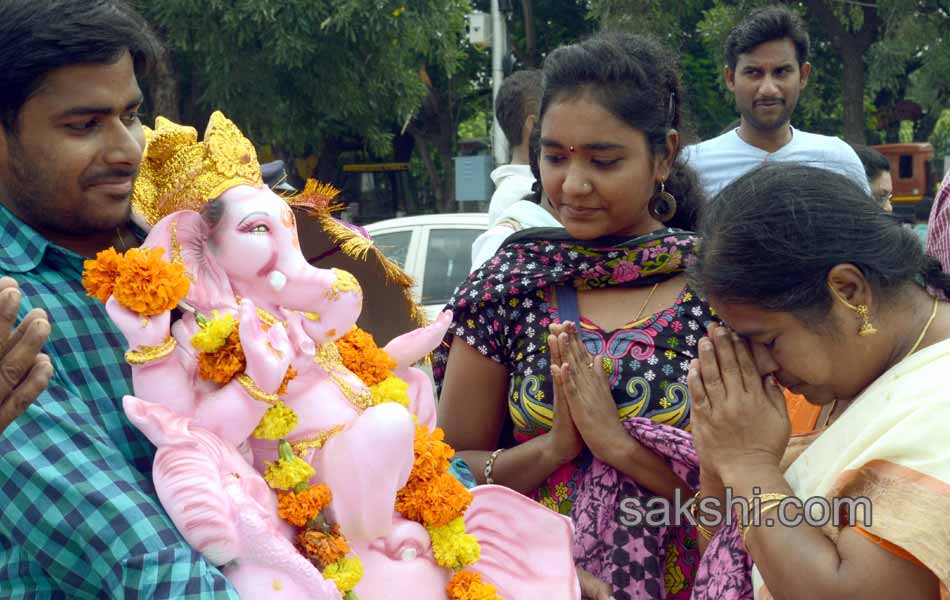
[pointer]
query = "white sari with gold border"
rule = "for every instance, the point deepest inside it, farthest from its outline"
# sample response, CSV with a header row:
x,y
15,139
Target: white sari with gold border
x,y
892,445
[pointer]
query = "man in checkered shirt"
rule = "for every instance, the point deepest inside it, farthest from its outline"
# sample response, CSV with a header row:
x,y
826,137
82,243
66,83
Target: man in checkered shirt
x,y
79,517
938,227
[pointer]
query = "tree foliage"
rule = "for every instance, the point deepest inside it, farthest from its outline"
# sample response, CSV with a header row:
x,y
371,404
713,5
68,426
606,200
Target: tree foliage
x,y
888,51
294,72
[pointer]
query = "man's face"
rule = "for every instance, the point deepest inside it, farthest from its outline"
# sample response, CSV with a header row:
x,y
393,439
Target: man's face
x,y
882,187
767,82
70,164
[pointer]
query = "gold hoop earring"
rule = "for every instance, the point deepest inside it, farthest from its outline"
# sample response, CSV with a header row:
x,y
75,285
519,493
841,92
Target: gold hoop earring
x,y
867,328
662,205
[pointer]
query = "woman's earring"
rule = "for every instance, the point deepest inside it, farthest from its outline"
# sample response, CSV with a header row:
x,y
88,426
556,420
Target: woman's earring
x,y
662,205
867,328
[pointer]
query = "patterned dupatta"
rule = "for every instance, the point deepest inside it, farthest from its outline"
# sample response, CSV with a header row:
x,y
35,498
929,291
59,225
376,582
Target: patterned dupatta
x,y
534,259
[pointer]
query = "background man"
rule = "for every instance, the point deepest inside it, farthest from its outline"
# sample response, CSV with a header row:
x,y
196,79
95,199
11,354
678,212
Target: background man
x,y
878,171
79,516
516,108
767,68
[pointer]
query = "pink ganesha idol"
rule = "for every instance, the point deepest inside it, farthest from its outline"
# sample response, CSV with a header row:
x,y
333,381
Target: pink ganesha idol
x,y
292,451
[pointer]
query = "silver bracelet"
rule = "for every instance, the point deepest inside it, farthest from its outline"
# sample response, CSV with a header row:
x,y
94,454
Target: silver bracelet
x,y
490,464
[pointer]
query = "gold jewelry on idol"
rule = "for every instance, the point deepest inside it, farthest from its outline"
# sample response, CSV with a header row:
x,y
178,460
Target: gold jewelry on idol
x,y
867,328
146,354
255,392
662,205
180,173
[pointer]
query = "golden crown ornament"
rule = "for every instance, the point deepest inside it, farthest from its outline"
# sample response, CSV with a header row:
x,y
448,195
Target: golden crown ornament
x,y
180,173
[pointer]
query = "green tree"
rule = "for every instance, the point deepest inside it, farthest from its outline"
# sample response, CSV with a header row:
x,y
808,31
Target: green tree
x,y
307,76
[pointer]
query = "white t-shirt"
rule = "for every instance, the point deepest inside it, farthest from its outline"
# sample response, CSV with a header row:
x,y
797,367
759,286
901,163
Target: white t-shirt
x,y
520,215
512,184
721,160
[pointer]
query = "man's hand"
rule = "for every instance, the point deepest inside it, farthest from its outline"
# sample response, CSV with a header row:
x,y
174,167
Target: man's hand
x,y
24,371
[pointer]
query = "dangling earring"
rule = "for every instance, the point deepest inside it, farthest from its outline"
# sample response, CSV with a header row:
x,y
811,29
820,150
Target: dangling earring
x,y
662,205
867,328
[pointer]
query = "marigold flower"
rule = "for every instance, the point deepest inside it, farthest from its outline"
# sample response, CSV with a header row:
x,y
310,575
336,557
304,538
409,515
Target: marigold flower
x,y
467,585
391,389
298,508
221,366
452,547
276,423
433,503
288,377
345,574
288,471
363,357
323,549
149,285
99,274
214,334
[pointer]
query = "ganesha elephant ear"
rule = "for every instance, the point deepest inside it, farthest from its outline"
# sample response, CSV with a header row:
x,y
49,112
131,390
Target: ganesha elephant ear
x,y
184,236
525,547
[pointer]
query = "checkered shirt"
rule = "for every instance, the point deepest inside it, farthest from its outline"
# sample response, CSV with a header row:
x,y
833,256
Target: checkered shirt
x,y
938,230
79,517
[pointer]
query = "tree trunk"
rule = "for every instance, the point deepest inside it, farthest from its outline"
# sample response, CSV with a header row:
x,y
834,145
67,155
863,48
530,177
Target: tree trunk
x,y
530,38
422,146
853,94
163,88
852,46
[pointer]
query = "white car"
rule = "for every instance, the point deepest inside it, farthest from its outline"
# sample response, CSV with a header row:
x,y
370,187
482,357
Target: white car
x,y
435,250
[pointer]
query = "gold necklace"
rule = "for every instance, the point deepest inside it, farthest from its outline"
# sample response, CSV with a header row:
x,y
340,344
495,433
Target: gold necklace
x,y
636,319
920,338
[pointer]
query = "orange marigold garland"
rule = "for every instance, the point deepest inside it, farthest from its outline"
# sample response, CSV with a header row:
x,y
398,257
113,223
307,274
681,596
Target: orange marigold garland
x,y
99,274
303,506
466,585
364,358
148,284
432,496
140,280
298,508
221,366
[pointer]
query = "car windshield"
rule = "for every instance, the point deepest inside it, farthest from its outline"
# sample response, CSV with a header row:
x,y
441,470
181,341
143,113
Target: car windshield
x,y
394,245
448,261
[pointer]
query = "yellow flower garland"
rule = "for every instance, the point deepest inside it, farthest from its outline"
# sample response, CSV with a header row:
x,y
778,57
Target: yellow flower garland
x,y
288,471
213,333
452,547
391,389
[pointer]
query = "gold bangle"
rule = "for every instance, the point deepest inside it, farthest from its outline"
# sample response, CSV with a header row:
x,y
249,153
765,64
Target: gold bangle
x,y
146,354
490,464
255,392
769,501
702,529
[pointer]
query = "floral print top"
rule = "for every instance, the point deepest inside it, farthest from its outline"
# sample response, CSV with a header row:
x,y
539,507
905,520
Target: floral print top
x,y
649,359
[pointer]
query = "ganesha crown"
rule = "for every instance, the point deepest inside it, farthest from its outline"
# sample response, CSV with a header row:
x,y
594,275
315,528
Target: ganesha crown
x,y
180,173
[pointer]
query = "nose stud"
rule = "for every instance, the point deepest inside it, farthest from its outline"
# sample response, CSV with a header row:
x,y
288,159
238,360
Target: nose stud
x,y
587,188
571,148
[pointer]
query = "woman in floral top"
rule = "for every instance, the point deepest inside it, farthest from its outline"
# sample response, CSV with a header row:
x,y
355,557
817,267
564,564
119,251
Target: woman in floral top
x,y
572,431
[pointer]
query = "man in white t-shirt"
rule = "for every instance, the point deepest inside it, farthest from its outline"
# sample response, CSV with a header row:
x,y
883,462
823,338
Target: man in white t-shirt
x,y
767,68
513,205
516,108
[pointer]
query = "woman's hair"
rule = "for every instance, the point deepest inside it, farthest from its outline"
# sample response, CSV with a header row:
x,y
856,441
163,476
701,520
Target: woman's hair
x,y
534,161
635,79
771,237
